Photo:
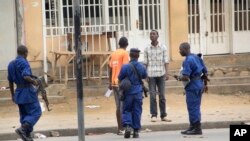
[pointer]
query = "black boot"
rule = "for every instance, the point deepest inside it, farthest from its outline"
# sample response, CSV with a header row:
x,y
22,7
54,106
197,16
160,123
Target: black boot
x,y
196,130
127,131
191,127
136,134
22,132
29,137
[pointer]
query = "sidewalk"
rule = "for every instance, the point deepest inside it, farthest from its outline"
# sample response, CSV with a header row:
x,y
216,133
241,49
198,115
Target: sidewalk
x,y
218,111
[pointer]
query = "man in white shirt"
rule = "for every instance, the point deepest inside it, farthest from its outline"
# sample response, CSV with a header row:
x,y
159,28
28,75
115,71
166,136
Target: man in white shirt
x,y
156,62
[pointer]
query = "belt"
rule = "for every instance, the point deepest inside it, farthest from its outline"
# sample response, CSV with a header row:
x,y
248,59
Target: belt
x,y
195,78
23,85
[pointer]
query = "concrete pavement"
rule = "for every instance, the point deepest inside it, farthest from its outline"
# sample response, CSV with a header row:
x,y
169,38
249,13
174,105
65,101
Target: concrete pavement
x,y
218,111
208,135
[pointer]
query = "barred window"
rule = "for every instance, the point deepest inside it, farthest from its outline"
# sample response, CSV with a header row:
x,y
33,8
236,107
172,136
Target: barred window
x,y
241,15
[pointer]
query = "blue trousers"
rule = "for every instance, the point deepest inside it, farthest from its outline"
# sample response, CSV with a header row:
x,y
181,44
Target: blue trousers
x,y
132,110
193,100
30,113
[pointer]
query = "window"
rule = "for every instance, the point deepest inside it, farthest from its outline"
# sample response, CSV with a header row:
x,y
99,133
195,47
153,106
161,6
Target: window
x,y
51,11
149,14
119,13
91,12
193,17
242,15
60,13
217,15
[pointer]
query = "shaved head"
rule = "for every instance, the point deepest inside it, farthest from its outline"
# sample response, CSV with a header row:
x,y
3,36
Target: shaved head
x,y
184,49
22,51
185,45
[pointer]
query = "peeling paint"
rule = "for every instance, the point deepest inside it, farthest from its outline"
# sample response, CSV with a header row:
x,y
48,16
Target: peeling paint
x,y
35,4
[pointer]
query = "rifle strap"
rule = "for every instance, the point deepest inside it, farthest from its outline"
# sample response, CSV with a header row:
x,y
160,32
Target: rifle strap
x,y
136,72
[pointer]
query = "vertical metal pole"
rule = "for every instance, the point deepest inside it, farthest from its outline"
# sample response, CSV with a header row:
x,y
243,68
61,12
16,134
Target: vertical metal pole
x,y
45,63
202,21
78,67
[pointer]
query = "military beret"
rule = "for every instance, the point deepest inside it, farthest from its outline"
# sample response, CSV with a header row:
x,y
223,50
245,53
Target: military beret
x,y
135,50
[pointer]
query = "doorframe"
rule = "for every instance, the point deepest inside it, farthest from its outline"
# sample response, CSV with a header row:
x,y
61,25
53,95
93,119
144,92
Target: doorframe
x,y
167,40
231,26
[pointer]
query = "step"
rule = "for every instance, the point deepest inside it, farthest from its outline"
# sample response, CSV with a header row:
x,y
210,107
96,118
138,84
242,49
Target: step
x,y
216,81
218,89
100,91
218,60
54,94
52,90
232,59
52,100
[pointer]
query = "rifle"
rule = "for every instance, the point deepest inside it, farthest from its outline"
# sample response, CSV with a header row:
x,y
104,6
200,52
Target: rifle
x,y
205,79
41,88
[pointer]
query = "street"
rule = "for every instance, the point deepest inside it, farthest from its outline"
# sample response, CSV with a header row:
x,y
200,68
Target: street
x,y
208,135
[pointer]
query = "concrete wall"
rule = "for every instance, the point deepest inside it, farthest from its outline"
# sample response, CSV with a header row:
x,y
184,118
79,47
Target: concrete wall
x,y
7,33
178,26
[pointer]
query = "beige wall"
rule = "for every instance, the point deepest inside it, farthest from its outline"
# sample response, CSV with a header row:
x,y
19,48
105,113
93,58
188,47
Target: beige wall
x,y
33,28
178,26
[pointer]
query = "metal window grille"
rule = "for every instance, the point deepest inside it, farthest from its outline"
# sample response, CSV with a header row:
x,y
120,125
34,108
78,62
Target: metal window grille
x,y
97,33
241,15
52,13
217,20
119,13
193,22
149,14
217,14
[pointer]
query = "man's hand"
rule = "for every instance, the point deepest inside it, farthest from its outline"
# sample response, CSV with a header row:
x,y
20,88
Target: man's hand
x,y
166,76
176,77
35,82
110,86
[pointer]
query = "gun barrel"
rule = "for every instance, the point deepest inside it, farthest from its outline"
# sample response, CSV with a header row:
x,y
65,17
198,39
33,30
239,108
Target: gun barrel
x,y
43,92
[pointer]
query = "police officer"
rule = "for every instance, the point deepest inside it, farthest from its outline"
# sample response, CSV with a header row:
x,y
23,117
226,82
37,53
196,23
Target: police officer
x,y
25,95
193,68
132,108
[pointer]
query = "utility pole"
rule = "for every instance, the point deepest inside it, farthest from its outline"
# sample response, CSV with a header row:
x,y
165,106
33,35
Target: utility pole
x,y
78,67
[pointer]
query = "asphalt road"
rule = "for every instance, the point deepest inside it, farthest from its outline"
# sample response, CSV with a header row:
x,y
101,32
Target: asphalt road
x,y
208,135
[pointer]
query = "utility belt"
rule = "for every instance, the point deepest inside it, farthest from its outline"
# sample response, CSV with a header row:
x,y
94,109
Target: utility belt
x,y
195,78
185,83
23,85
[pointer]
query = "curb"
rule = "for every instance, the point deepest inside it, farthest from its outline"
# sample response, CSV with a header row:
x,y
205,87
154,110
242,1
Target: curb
x,y
145,128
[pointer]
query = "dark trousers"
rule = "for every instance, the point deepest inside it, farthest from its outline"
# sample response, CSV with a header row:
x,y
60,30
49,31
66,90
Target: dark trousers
x,y
158,82
118,104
